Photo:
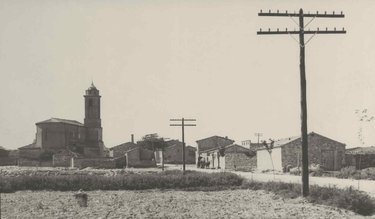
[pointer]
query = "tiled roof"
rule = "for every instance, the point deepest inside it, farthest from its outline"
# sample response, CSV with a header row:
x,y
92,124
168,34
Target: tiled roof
x,y
228,146
361,150
126,146
215,136
29,146
2,148
57,120
284,141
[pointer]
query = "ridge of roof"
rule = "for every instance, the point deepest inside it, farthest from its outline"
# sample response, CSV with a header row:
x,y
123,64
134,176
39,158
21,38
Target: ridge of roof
x,y
283,141
123,144
215,136
228,146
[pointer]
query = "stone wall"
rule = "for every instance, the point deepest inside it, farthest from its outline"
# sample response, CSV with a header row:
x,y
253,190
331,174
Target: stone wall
x,y
33,163
213,142
120,150
105,163
235,161
360,161
173,155
61,160
30,153
140,158
59,135
324,151
8,161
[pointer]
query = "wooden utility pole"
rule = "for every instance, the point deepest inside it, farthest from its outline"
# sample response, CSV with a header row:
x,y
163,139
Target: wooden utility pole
x,y
302,32
183,136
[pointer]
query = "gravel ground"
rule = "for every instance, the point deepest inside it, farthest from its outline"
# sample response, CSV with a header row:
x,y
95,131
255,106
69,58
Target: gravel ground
x,y
164,204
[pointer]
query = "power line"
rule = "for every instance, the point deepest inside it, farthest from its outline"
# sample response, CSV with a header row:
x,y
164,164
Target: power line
x,y
302,32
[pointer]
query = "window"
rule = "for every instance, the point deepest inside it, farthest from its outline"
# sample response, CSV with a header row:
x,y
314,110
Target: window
x,y
90,102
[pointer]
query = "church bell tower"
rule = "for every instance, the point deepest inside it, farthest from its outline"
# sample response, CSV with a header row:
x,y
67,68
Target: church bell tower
x,y
94,142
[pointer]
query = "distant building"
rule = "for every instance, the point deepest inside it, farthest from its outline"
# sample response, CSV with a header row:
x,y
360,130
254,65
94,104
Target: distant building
x,y
3,152
56,134
121,149
132,154
230,157
360,157
211,143
173,153
140,157
330,154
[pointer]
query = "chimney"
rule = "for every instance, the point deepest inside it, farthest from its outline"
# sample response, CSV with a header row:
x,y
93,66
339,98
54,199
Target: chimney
x,y
132,137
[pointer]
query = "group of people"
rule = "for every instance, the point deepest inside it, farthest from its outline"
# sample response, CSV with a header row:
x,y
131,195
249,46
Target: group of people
x,y
203,163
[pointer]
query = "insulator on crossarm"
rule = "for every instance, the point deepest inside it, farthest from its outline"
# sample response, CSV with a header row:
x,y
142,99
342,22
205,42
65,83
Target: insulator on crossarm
x,y
286,12
260,30
343,29
269,11
277,29
317,12
269,29
325,12
286,29
261,11
334,29
333,12
318,28
341,12
326,29
277,11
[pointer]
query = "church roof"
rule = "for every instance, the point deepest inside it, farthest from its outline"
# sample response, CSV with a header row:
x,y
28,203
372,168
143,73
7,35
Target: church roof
x,y
57,120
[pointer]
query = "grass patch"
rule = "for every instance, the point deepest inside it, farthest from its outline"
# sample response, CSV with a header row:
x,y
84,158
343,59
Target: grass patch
x,y
350,199
131,181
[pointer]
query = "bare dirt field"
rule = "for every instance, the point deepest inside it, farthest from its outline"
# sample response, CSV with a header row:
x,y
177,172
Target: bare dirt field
x,y
164,204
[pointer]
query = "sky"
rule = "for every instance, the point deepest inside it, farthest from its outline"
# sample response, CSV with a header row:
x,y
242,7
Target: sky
x,y
162,59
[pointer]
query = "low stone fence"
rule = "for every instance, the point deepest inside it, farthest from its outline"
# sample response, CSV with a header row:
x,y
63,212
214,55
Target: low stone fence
x,y
8,161
33,163
240,161
61,160
105,163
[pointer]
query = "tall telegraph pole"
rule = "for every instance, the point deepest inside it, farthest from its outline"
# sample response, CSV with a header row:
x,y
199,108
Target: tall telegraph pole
x,y
183,136
302,32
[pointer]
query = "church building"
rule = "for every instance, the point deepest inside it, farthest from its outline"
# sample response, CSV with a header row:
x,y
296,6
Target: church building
x,y
58,135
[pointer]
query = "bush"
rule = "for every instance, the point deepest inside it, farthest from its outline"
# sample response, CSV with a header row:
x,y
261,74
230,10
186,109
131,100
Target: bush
x,y
162,180
349,199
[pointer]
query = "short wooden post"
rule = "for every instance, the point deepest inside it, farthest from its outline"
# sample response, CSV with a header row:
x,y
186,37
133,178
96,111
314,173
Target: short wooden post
x,y
81,198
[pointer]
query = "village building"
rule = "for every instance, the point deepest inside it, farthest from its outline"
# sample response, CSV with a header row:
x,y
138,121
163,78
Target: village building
x,y
121,149
328,153
132,154
173,153
140,157
211,143
55,135
230,157
360,157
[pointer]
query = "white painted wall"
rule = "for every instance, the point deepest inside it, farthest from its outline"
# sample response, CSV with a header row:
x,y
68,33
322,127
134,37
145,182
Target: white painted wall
x,y
264,159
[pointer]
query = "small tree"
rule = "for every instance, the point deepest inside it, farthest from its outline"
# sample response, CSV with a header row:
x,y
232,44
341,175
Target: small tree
x,y
155,143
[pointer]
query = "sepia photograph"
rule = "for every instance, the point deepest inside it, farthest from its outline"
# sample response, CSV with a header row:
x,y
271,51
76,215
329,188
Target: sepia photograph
x,y
187,109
